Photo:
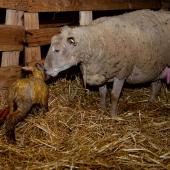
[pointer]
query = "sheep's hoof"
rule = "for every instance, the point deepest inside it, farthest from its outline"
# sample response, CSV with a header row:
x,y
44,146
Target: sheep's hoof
x,y
152,100
114,112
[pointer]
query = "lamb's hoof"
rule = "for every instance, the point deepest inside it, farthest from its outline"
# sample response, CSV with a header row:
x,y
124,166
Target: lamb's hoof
x,y
10,137
45,110
11,141
1,122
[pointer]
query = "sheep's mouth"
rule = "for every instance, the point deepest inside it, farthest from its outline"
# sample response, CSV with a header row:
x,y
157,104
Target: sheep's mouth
x,y
56,71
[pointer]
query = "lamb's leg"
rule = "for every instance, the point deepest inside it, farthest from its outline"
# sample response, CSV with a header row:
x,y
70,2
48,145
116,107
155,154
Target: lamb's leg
x,y
45,105
103,93
6,111
156,87
13,118
11,105
117,88
3,114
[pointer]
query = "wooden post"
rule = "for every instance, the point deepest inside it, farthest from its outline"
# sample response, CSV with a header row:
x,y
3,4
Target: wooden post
x,y
32,54
85,17
13,17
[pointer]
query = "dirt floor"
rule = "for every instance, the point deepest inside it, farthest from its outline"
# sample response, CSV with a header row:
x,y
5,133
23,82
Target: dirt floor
x,y
77,134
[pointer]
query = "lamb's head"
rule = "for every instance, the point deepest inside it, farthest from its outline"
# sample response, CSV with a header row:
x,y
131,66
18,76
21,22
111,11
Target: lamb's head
x,y
61,54
37,71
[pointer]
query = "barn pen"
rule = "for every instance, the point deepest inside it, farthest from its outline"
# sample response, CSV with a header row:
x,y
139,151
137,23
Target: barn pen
x,y
76,133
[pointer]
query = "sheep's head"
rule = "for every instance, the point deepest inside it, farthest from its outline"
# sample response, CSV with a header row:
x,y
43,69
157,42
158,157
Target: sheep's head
x,y
61,52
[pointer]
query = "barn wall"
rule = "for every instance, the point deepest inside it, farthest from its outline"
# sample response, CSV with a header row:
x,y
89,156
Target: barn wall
x,y
48,16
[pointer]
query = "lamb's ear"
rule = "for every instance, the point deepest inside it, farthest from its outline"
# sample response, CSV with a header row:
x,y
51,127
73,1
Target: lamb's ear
x,y
39,66
28,68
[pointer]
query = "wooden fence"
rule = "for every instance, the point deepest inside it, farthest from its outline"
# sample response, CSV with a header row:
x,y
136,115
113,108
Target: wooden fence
x,y
22,31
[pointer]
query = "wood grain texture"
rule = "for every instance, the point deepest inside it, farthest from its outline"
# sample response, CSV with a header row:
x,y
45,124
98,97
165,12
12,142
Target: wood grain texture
x,y
11,38
88,5
13,17
21,5
41,36
8,75
77,5
31,21
85,17
165,4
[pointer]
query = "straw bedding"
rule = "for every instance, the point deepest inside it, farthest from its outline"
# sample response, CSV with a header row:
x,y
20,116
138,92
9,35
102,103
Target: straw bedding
x,y
76,134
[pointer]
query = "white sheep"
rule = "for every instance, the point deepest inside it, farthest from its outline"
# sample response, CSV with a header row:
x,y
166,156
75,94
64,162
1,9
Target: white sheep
x,y
133,47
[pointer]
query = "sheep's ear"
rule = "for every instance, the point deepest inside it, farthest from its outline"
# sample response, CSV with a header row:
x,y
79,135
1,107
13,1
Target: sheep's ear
x,y
28,68
71,41
65,28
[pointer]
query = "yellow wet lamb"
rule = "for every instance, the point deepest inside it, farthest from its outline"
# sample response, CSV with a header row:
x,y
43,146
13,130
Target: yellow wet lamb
x,y
23,94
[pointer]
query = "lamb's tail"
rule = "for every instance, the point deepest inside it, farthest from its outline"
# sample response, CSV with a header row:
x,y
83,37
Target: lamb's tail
x,y
3,114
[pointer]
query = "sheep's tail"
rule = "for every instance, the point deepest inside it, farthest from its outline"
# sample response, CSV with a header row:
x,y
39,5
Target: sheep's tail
x,y
3,114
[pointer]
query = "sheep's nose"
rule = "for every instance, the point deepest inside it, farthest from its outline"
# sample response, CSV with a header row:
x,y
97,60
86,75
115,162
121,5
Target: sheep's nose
x,y
45,70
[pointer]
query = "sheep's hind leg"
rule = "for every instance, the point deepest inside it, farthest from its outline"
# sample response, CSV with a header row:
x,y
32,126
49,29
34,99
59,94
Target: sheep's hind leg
x,y
15,117
115,94
103,93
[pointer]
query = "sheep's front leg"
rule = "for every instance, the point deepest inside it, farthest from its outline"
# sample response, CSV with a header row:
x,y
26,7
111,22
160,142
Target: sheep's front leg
x,y
103,93
115,94
156,87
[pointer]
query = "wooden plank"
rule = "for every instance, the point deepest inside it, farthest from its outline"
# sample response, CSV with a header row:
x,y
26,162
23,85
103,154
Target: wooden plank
x,y
31,21
32,54
165,4
85,17
8,75
20,5
11,38
55,25
89,5
13,17
41,36
78,5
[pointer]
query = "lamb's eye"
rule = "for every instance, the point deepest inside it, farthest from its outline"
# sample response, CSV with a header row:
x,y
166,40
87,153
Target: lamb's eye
x,y
71,41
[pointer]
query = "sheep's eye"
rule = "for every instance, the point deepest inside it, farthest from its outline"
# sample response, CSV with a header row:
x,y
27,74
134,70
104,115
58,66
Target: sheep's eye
x,y
54,49
57,51
71,41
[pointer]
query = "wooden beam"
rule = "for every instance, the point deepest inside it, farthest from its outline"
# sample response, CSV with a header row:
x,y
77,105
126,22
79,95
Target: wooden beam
x,y
13,17
89,5
31,21
165,4
78,5
8,75
85,17
21,5
41,36
11,38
